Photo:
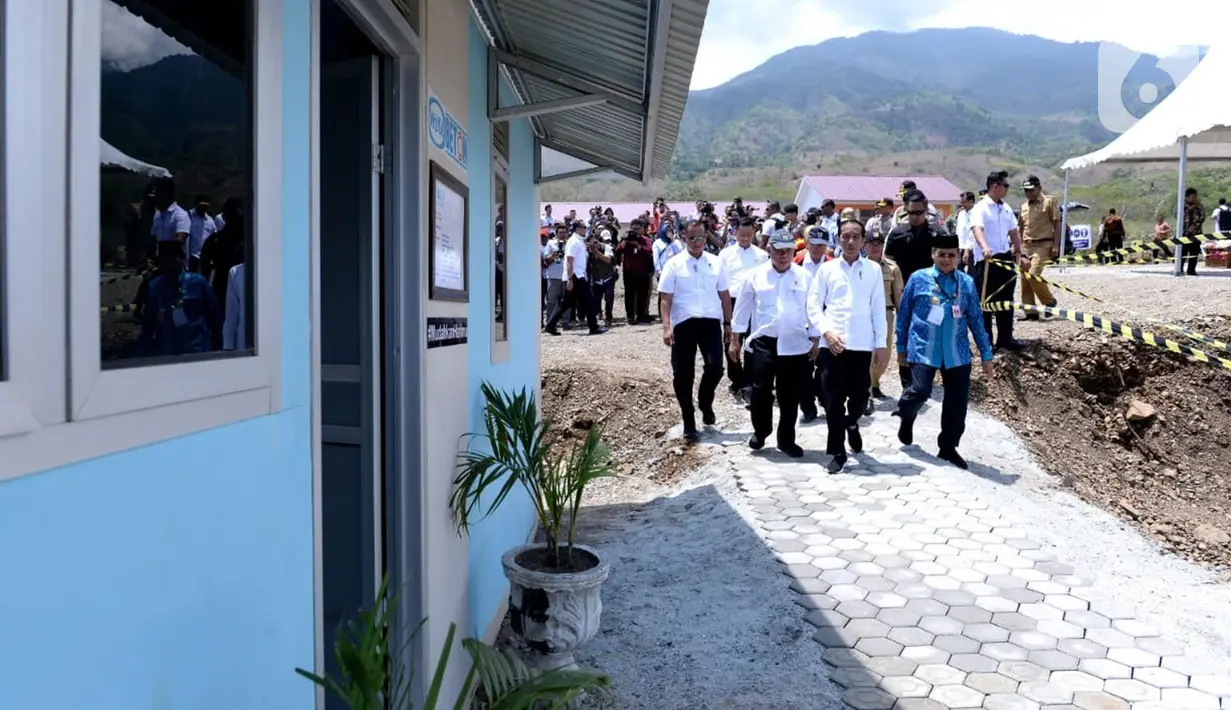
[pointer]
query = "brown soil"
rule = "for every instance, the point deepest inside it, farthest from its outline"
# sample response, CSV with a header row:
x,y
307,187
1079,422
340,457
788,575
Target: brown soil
x,y
538,560
634,412
1169,473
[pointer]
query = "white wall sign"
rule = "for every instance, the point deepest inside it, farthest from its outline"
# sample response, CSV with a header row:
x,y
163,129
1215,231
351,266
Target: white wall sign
x,y
448,249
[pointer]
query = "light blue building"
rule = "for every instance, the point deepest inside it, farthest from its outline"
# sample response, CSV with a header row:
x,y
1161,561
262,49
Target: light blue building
x,y
216,452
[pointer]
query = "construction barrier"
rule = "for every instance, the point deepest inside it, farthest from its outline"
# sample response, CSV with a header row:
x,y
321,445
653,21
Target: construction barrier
x,y
1212,342
1095,259
1112,328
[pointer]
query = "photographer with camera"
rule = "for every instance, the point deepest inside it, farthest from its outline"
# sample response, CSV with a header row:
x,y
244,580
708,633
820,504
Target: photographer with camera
x,y
603,271
552,258
636,254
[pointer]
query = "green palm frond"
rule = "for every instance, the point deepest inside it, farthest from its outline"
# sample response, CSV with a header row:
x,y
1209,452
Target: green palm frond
x,y
510,684
515,449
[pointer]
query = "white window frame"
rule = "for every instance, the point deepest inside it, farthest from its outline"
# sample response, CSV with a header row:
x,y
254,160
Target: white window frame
x,y
35,59
77,410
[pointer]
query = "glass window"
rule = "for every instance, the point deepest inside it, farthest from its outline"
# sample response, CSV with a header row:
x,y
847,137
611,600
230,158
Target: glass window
x,y
500,287
175,237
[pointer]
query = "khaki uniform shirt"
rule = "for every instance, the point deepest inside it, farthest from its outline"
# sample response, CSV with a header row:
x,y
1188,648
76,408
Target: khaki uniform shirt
x,y
893,283
879,226
1038,219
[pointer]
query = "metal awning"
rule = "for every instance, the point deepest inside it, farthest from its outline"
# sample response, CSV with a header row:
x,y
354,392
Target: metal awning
x,y
604,81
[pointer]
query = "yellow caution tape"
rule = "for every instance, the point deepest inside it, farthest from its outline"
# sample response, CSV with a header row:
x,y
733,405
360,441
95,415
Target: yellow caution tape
x,y
1113,328
1090,259
120,308
1193,335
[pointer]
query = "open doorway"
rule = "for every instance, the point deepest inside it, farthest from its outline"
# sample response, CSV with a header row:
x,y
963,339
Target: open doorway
x,y
352,315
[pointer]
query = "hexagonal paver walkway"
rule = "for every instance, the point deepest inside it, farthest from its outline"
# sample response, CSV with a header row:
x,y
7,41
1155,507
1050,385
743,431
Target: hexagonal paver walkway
x,y
925,599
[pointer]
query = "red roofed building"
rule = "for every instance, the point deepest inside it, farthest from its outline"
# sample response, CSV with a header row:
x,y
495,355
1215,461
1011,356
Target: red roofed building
x,y
863,191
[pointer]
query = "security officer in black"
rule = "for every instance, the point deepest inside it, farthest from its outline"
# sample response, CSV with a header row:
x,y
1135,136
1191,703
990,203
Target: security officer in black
x,y
910,246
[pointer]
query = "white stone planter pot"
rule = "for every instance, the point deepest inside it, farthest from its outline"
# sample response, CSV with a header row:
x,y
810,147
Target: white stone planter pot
x,y
554,613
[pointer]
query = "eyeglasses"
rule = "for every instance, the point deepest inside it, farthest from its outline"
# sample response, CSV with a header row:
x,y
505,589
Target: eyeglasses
x,y
697,239
916,213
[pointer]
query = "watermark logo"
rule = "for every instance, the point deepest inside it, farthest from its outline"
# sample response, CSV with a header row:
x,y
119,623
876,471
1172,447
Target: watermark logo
x,y
1129,85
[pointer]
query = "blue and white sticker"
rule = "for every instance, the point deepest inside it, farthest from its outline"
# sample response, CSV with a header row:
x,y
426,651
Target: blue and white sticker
x,y
445,132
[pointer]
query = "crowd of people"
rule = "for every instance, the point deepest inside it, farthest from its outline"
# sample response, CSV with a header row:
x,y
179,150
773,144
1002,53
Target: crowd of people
x,y
808,310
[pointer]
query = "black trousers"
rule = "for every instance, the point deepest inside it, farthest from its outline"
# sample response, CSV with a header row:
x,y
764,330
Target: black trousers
x,y
1001,286
604,297
790,374
956,381
691,336
735,369
1189,254
636,297
581,299
847,381
813,395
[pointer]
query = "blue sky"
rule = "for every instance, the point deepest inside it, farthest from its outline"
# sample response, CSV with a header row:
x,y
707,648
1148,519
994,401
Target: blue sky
x,y
739,35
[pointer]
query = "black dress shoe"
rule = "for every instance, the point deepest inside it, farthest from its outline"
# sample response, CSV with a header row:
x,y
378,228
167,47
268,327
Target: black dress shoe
x,y
551,331
877,394
756,443
707,416
906,433
869,407
808,417
855,439
1011,345
598,331
953,457
795,451
691,436
836,465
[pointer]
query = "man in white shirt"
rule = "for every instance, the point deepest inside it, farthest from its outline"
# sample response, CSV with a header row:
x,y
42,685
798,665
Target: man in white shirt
x,y
552,258
201,228
171,225
965,237
577,291
847,304
547,220
739,259
696,313
828,219
994,228
771,307
817,244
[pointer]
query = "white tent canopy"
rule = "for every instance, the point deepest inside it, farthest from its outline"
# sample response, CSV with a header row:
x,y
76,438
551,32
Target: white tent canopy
x,y
112,157
1195,111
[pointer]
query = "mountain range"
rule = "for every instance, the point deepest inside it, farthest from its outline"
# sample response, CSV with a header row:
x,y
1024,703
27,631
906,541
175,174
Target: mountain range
x,y
884,92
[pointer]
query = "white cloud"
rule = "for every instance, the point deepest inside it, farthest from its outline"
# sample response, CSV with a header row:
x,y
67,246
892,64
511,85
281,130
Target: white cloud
x,y
129,42
731,44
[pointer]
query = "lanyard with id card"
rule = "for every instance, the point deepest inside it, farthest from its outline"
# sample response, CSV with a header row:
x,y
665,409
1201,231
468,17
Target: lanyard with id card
x,y
936,315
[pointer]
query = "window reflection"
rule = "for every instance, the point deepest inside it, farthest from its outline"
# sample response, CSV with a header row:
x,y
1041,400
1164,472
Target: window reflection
x,y
176,180
500,325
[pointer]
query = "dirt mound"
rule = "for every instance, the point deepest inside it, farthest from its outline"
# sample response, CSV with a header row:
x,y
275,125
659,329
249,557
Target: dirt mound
x,y
634,413
1142,432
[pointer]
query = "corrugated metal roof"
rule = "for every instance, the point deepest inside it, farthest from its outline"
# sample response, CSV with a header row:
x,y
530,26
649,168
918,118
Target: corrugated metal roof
x,y
569,48
870,188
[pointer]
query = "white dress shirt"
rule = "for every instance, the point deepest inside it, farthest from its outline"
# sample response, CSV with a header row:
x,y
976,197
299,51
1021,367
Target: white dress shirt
x,y
738,261
997,220
965,235
235,323
775,305
576,248
849,299
201,227
811,266
664,252
694,284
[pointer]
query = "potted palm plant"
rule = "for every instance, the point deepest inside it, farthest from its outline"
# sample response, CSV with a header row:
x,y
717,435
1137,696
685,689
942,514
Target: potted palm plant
x,y
554,586
373,676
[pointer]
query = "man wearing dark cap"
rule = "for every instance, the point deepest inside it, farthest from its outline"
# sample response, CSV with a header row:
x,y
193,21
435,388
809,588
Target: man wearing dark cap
x,y
1039,222
881,223
772,308
939,312
933,216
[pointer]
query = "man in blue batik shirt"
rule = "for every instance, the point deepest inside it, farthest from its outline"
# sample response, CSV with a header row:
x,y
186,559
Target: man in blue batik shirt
x,y
939,306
